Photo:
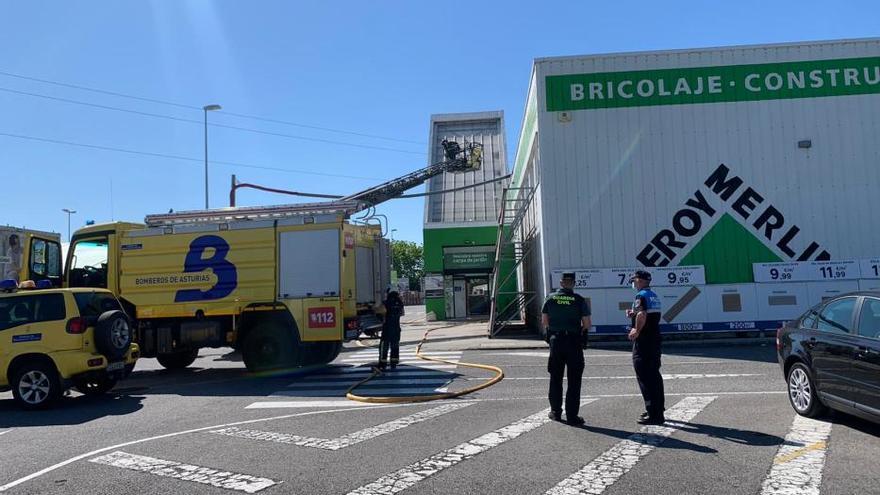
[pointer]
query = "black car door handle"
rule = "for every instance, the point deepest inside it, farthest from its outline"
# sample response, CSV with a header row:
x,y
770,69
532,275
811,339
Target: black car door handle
x,y
864,352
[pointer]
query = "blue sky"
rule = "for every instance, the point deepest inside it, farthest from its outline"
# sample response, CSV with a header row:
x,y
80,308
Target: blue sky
x,y
379,68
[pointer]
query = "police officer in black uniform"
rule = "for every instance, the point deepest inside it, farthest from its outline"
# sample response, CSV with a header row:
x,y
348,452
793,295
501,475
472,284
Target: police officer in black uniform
x,y
645,335
566,320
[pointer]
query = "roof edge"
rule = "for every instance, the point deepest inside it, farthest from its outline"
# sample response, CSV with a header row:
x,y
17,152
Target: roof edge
x,y
706,49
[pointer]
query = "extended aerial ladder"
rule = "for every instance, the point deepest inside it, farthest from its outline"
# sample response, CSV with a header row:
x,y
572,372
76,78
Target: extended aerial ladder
x,y
457,159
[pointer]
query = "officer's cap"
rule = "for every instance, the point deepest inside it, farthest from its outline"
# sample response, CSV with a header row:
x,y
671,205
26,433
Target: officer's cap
x,y
642,274
568,276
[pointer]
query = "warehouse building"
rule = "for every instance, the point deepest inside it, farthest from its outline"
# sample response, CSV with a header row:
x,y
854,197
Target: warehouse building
x,y
461,227
744,178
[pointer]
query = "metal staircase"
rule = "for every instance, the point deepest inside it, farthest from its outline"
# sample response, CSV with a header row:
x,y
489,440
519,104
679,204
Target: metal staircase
x,y
513,245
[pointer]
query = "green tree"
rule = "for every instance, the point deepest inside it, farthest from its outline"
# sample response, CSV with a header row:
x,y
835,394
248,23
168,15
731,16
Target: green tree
x,y
409,261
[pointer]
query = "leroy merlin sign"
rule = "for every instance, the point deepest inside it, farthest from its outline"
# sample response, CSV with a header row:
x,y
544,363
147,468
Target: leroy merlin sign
x,y
811,79
736,239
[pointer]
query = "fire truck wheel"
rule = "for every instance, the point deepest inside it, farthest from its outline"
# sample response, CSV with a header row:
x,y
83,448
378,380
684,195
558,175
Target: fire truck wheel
x,y
269,347
320,353
333,350
178,360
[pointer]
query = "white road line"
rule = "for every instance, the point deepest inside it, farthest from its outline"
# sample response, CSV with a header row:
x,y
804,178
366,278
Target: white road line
x,y
405,353
523,354
347,403
412,474
345,440
626,354
610,466
4,432
186,472
341,402
797,467
80,457
679,376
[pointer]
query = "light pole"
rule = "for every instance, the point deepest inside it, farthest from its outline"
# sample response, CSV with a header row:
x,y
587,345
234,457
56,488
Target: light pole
x,y
69,212
207,108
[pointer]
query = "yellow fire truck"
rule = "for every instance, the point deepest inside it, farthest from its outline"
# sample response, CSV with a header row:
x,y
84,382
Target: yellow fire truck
x,y
30,255
287,285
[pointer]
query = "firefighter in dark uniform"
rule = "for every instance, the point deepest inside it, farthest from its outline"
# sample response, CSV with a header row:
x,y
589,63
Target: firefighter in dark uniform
x,y
645,335
566,320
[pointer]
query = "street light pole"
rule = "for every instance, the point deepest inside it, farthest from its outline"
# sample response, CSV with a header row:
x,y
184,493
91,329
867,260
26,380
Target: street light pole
x,y
207,108
69,212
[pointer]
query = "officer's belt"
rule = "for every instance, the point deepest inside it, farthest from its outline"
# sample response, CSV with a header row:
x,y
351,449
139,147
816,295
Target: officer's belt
x,y
565,333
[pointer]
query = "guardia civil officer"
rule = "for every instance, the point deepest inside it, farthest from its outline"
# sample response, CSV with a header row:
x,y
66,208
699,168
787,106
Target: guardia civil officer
x,y
566,320
645,335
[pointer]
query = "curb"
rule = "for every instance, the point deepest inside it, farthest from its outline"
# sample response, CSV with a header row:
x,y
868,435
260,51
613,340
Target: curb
x,y
740,342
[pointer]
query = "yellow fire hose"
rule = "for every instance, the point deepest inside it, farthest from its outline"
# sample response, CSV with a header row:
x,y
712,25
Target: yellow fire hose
x,y
499,375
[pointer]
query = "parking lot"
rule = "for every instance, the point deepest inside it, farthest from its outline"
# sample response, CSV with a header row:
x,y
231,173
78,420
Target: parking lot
x,y
214,428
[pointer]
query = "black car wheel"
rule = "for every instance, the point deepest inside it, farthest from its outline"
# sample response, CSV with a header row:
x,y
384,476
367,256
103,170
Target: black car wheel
x,y
802,392
36,385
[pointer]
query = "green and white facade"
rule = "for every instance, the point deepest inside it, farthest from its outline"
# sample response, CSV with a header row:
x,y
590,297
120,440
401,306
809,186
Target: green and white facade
x,y
744,178
461,227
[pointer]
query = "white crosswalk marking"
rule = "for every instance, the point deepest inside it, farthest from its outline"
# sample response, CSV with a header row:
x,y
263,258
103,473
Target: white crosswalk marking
x,y
404,478
797,467
407,356
186,472
413,376
345,440
610,466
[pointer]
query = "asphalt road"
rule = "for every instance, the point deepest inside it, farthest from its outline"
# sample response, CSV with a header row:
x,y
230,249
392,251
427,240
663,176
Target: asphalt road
x,y
214,428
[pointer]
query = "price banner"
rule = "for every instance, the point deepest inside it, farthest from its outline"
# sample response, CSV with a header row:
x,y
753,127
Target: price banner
x,y
835,270
617,277
779,272
870,268
596,278
807,271
588,278
678,275
673,276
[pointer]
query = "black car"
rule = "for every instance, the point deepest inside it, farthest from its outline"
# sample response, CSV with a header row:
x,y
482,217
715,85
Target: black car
x,y
830,357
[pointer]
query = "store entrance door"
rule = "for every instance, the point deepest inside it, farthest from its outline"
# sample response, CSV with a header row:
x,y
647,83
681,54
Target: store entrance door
x,y
477,296
459,298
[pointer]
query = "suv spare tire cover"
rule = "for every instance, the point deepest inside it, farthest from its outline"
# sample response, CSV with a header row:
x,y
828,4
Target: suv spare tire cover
x,y
113,334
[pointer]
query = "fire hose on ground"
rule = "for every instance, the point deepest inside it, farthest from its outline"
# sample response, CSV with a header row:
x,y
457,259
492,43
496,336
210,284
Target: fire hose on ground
x,y
499,375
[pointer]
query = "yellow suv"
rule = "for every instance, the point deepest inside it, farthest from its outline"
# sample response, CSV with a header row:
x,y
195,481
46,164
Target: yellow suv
x,y
53,339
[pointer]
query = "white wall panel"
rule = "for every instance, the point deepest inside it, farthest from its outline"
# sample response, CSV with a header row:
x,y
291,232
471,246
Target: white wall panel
x,y
612,178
